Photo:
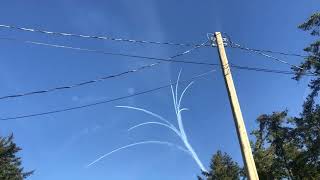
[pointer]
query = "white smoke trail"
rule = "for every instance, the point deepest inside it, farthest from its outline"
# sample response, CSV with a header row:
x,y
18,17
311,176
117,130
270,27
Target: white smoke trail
x,y
186,142
136,144
182,94
179,131
150,113
176,94
183,136
157,123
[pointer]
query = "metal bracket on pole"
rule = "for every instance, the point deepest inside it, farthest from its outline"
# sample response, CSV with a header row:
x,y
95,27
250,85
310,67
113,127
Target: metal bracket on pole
x,y
213,39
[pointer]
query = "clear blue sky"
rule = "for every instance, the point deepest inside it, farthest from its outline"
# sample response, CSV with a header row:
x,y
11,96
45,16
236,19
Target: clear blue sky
x,y
59,146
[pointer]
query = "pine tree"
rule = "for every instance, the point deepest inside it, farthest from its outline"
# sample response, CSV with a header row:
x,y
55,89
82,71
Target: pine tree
x,y
307,132
222,167
10,165
312,61
273,148
286,147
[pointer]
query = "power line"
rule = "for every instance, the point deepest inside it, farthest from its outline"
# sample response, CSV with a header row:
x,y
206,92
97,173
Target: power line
x,y
139,41
235,45
135,70
170,59
261,52
144,57
78,84
265,55
109,53
119,98
102,102
272,57
267,70
274,52
93,37
106,52
101,78
131,40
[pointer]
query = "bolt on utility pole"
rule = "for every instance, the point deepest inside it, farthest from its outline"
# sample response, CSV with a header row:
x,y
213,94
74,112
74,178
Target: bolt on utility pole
x,y
236,111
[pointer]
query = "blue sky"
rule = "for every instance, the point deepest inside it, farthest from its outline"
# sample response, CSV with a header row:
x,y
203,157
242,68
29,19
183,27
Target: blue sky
x,y
59,146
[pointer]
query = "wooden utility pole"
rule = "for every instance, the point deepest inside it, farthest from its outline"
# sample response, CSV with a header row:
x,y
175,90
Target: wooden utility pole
x,y
236,111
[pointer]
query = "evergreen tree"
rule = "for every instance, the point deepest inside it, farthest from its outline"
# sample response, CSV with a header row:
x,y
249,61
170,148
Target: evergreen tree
x,y
312,61
289,148
222,167
307,132
10,165
273,149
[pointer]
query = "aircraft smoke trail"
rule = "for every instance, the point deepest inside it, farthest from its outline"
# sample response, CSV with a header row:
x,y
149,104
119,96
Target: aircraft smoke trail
x,y
148,112
184,137
157,123
136,144
179,131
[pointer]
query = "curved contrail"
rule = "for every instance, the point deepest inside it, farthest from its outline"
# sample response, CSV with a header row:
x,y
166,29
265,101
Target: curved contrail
x,y
136,144
178,130
150,113
157,123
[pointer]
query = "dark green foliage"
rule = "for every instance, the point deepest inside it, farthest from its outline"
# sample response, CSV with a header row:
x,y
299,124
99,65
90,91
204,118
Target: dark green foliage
x,y
313,24
10,165
289,148
271,146
307,127
312,62
307,138
222,167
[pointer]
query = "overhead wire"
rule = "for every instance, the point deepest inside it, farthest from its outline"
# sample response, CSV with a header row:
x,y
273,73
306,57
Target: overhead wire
x,y
279,60
274,52
104,77
236,45
77,84
135,70
104,101
103,51
132,40
170,59
265,55
267,70
261,52
271,57
92,36
129,55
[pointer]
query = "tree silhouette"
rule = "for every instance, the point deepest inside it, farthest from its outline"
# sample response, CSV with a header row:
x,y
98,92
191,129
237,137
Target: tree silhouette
x,y
10,164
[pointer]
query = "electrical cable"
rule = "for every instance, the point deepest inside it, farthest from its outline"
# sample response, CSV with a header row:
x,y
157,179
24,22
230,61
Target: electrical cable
x,y
104,101
93,36
170,59
142,57
235,45
102,51
101,78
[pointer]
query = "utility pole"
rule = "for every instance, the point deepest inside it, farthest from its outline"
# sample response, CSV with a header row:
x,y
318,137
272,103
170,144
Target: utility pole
x,y
236,111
